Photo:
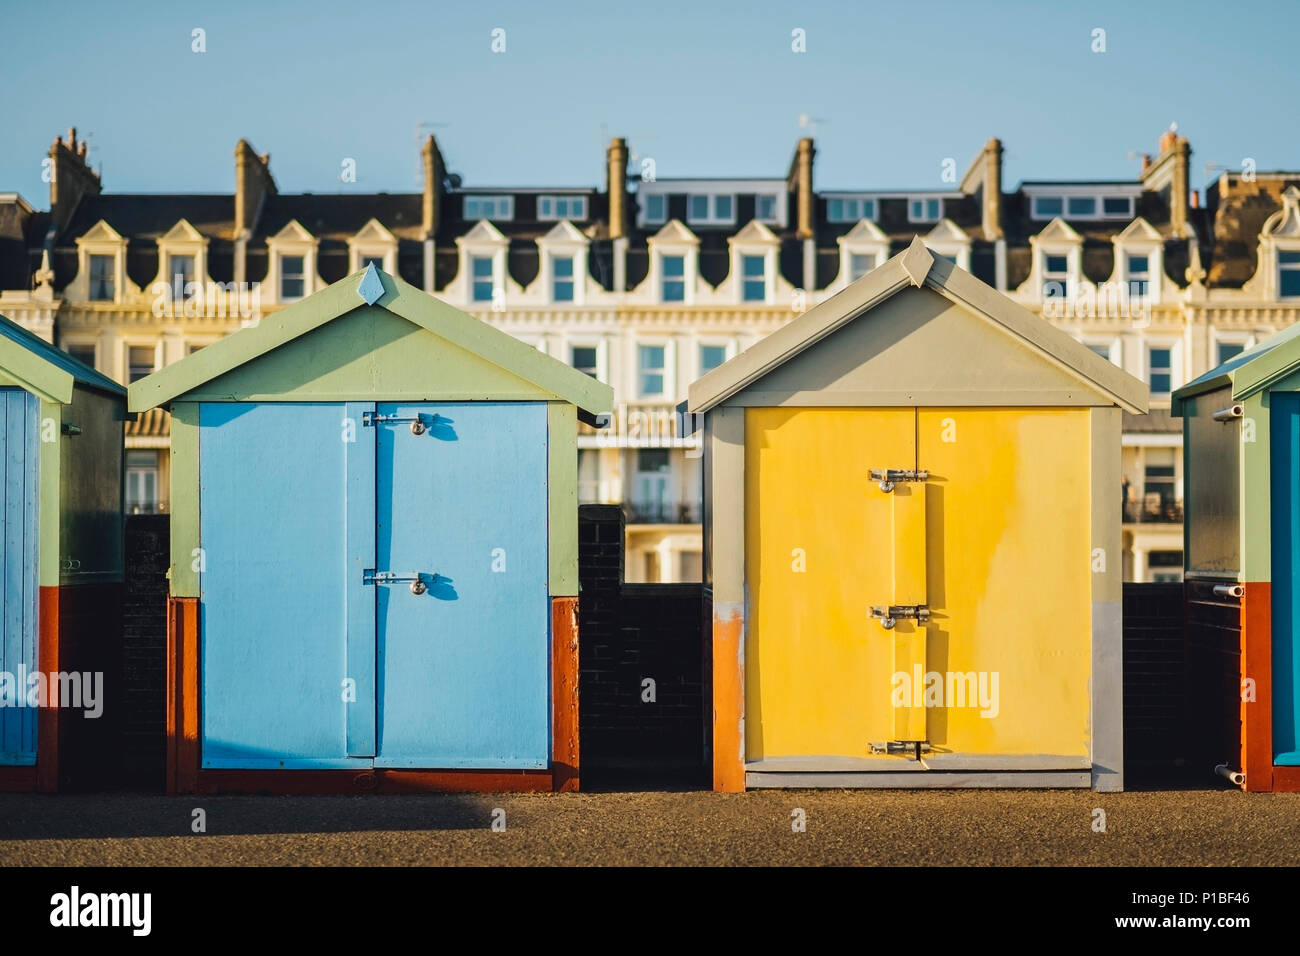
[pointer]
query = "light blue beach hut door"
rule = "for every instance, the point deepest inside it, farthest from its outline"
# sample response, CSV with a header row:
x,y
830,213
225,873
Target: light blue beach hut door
x,y
463,666
1285,444
20,452
374,585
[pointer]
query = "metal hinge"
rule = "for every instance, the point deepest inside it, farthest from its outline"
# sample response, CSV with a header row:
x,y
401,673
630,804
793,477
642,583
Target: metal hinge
x,y
371,576
888,476
890,614
418,427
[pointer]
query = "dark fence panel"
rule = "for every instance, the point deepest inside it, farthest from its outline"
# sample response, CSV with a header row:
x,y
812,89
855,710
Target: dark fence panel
x,y
144,651
642,708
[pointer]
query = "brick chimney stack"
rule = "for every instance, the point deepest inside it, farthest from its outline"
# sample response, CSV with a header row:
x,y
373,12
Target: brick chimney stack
x,y
803,183
71,177
616,165
253,183
435,172
992,211
1179,187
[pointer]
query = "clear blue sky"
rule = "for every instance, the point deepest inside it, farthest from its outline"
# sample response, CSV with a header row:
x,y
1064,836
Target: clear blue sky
x,y
705,88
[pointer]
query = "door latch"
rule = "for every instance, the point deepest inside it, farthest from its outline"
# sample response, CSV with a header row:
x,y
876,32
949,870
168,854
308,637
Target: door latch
x,y
371,419
888,476
371,576
890,613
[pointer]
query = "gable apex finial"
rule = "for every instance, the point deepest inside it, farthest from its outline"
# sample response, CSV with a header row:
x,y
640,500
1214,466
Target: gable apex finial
x,y
917,261
371,287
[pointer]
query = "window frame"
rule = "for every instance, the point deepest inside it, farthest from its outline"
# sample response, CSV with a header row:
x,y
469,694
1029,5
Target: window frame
x,y
728,346
505,198
712,218
1100,198
153,345
1149,369
1290,268
282,275
925,201
665,371
554,215
651,220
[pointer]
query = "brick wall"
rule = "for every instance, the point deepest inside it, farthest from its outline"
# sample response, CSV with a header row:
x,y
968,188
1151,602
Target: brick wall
x,y
144,650
630,634
1155,673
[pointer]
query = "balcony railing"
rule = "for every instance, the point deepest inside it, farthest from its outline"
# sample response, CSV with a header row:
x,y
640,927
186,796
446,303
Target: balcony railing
x,y
1157,511
655,513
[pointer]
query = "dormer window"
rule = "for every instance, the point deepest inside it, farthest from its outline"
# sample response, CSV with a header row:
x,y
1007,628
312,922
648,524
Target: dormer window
x,y
562,278
1081,207
752,277
765,208
754,270
715,209
563,253
373,244
182,265
1048,207
103,278
489,207
481,274
1056,269
862,248
293,277
1139,275
481,271
860,264
181,270
1288,274
561,207
1139,265
924,210
101,266
674,278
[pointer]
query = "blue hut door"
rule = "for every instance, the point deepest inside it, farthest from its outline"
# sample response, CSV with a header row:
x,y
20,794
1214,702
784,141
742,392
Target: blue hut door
x,y
316,520
19,453
1285,435
462,515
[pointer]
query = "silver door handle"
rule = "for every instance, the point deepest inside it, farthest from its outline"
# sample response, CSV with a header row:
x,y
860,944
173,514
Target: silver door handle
x,y
890,614
370,576
887,477
418,427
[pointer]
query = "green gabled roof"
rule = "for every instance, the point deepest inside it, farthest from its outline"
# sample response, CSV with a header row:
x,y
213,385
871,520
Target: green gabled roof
x,y
377,288
1252,371
32,363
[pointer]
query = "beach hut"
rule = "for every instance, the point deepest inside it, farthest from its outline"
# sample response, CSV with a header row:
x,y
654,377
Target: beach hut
x,y
374,550
1241,446
61,554
912,543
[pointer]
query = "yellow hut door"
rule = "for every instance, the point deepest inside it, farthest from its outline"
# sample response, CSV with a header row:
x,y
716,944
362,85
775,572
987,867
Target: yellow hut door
x,y
917,587
1008,577
825,544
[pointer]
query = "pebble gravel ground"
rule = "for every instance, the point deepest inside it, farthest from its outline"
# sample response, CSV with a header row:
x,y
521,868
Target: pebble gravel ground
x,y
858,828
